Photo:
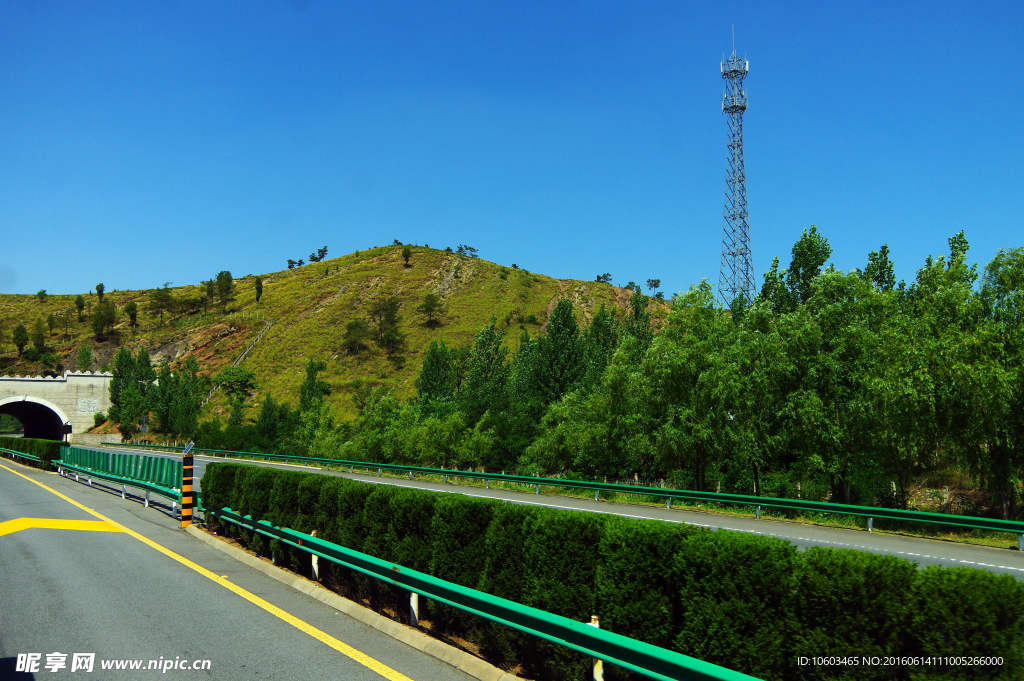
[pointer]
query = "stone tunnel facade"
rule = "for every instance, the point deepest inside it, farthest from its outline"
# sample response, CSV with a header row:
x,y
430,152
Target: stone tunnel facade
x,y
45,405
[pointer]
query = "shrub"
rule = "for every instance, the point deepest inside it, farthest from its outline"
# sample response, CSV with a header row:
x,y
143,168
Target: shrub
x,y
850,601
561,578
736,601
47,450
751,603
458,554
965,609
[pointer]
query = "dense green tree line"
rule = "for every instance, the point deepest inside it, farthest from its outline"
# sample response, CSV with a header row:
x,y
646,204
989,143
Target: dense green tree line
x,y
829,384
137,389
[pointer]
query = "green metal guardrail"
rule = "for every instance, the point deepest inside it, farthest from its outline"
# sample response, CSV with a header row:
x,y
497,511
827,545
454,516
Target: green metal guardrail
x,y
640,657
158,470
156,475
869,512
21,455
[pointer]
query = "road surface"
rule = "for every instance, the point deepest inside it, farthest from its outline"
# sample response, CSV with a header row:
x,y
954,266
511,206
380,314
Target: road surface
x,y
85,572
920,550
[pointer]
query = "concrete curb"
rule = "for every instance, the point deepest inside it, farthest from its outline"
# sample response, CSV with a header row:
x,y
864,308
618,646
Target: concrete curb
x,y
460,659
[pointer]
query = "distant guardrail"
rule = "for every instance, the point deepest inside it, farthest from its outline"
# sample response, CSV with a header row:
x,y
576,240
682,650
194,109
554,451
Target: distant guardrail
x,y
21,455
869,512
642,658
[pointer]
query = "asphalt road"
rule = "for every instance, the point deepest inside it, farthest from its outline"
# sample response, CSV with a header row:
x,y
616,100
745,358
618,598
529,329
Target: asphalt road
x,y
920,550
137,587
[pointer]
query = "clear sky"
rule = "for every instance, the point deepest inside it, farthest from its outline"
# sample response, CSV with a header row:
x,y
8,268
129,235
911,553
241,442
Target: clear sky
x,y
152,142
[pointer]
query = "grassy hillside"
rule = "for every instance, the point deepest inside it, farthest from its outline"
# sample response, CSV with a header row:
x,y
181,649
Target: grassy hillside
x,y
310,307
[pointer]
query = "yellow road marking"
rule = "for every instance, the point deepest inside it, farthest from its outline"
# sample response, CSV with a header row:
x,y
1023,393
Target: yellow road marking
x,y
341,647
18,524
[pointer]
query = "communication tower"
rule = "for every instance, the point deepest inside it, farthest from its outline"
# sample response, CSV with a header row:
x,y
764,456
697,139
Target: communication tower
x,y
736,274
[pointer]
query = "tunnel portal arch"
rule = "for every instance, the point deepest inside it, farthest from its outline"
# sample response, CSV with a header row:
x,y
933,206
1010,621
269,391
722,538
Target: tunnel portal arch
x,y
41,418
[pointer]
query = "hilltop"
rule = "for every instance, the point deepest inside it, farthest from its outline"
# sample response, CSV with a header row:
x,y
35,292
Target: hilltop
x,y
309,308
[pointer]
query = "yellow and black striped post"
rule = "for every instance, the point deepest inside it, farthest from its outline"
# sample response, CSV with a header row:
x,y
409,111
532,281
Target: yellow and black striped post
x,y
188,497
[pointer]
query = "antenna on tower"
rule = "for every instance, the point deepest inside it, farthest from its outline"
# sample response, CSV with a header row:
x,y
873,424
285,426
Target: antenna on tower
x,y
734,38
735,278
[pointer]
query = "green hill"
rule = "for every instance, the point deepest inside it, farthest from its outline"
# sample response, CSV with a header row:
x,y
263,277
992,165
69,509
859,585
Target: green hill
x,y
310,307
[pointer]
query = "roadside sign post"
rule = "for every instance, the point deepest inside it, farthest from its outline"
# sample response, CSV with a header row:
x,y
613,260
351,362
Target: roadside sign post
x,y
187,496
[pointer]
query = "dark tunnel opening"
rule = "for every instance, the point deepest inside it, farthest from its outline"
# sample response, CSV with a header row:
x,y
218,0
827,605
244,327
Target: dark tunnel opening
x,y
39,421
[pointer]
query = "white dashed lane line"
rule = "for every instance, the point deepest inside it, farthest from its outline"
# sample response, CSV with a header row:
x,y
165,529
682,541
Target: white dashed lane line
x,y
804,539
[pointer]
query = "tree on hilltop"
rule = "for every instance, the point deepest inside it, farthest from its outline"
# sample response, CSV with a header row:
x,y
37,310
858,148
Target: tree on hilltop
x,y
406,254
100,288
259,288
357,333
80,305
225,289
431,307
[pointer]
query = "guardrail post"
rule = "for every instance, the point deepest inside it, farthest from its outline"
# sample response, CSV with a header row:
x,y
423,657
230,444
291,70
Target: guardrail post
x,y
487,484
871,524
597,495
668,502
315,561
598,663
414,609
122,491
410,475
538,489
758,512
378,472
187,496
147,499
1020,542
351,469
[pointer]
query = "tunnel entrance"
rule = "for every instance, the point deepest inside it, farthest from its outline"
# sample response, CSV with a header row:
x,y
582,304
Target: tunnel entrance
x,y
39,420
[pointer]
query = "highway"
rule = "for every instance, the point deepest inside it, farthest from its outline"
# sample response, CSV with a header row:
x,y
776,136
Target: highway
x,y
920,550
87,573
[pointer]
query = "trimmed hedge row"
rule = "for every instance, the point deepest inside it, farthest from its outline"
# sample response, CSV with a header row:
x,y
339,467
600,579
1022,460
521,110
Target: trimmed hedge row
x,y
47,450
748,602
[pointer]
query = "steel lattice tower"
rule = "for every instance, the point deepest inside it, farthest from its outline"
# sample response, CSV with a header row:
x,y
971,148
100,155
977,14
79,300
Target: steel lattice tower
x,y
736,274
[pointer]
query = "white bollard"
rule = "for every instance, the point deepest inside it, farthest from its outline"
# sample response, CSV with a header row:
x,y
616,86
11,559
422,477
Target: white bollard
x,y
122,491
871,524
410,475
414,609
487,484
598,664
1020,542
378,472
351,469
538,489
316,561
147,499
597,495
758,512
669,502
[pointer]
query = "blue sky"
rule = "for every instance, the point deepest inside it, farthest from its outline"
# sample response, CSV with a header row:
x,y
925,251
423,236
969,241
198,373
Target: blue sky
x,y
146,142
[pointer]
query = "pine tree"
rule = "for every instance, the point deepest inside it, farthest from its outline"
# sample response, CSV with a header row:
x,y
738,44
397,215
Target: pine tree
x,y
20,338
